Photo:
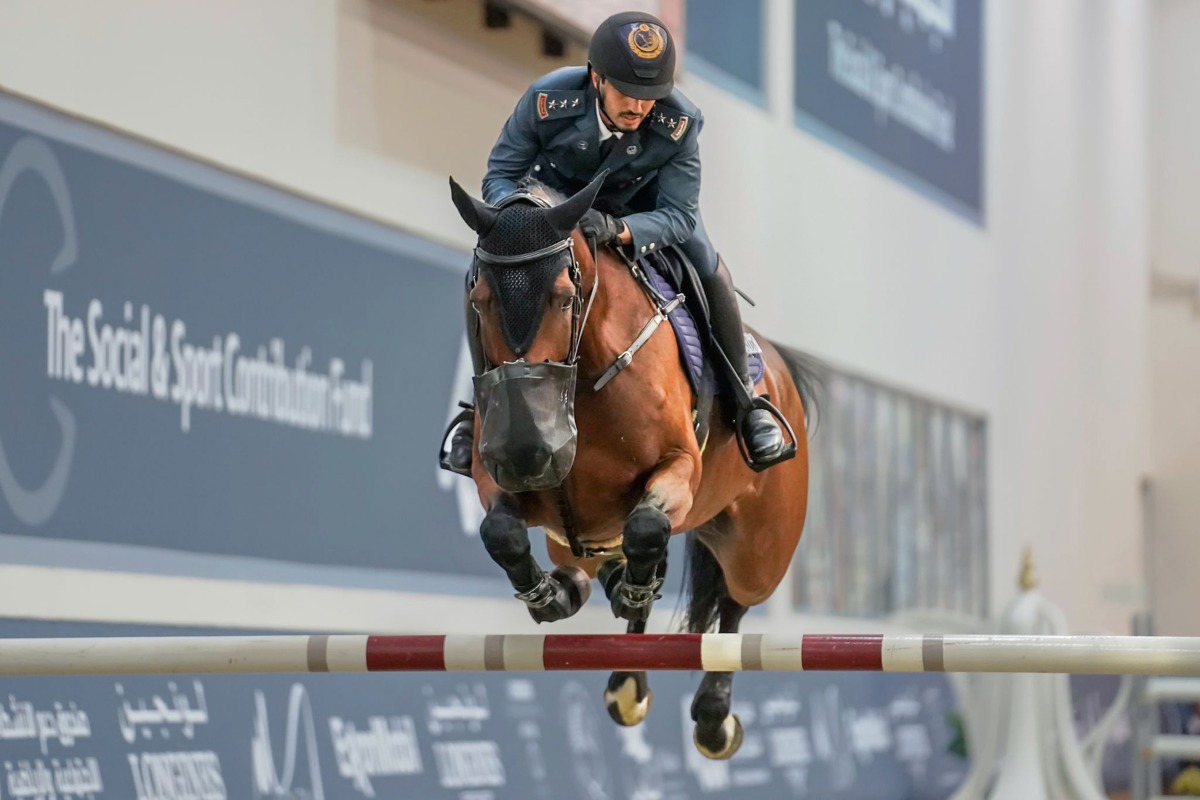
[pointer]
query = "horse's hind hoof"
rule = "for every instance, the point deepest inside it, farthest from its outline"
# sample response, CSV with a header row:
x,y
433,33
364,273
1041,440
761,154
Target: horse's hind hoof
x,y
628,698
570,587
722,743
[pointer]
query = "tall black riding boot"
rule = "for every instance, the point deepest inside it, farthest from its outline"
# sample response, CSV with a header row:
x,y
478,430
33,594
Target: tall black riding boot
x,y
462,441
761,432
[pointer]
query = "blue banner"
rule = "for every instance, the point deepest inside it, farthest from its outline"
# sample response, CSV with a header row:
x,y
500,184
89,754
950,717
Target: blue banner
x,y
461,737
196,363
900,84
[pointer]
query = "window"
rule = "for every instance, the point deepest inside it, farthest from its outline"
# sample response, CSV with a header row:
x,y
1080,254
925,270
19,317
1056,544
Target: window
x,y
725,44
897,505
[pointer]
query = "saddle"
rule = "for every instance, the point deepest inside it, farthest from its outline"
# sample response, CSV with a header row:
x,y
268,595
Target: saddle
x,y
670,273
670,281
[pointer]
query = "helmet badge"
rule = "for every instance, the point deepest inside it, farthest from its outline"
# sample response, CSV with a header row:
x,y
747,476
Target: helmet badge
x,y
646,40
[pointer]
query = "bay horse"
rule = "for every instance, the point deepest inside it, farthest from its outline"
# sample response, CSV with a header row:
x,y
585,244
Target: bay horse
x,y
611,473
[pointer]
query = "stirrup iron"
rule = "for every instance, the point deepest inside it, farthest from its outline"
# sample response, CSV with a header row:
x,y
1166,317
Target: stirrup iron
x,y
787,452
467,414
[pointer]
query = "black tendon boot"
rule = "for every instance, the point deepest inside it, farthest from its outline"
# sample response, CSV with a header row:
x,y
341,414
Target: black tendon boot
x,y
764,440
462,441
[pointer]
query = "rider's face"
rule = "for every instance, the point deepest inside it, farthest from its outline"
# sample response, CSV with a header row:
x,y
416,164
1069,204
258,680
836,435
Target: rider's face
x,y
624,113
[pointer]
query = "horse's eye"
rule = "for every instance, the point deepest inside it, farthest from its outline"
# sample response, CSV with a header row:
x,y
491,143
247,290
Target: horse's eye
x,y
565,305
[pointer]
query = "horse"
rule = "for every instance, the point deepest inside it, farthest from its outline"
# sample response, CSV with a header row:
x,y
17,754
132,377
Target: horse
x,y
611,473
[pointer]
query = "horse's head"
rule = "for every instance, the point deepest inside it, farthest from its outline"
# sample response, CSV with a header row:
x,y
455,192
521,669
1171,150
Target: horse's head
x,y
527,289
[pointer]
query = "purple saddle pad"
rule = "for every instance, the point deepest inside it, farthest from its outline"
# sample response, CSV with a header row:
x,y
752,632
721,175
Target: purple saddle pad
x,y
693,351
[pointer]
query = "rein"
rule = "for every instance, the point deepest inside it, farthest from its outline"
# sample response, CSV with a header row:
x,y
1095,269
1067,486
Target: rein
x,y
581,310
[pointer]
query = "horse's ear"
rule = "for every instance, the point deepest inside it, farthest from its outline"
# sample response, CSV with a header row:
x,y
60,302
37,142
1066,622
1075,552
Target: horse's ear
x,y
566,215
479,216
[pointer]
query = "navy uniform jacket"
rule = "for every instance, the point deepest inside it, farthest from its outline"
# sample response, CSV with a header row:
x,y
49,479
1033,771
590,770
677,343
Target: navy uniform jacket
x,y
654,172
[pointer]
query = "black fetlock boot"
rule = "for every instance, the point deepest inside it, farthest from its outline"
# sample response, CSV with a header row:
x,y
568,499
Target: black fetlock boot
x,y
765,443
462,440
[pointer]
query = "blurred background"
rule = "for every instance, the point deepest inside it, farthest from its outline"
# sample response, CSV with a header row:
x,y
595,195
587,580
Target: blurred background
x,y
979,214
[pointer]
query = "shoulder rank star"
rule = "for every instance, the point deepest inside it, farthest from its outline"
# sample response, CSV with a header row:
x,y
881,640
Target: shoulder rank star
x,y
555,104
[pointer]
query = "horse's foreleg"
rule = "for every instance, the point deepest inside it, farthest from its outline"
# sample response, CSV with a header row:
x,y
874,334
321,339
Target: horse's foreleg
x,y
548,597
632,587
718,732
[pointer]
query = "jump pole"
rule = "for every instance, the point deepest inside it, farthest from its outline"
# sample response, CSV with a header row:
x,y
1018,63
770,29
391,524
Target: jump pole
x,y
714,652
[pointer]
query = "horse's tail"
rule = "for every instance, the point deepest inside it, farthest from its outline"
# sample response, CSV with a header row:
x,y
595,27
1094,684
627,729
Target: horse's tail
x,y
808,373
704,581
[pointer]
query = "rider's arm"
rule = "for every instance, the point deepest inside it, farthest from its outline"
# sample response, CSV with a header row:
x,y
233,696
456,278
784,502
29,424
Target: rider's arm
x,y
674,218
514,152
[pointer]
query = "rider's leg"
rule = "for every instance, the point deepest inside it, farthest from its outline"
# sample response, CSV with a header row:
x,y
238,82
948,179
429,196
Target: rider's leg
x,y
462,442
764,439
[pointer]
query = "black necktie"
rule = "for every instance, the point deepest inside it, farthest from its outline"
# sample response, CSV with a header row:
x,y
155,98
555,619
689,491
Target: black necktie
x,y
607,146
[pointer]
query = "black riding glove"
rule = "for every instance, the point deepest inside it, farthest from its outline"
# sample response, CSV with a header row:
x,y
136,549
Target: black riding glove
x,y
601,227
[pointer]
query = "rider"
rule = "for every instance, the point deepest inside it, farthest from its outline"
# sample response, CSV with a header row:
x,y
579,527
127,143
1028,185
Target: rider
x,y
622,113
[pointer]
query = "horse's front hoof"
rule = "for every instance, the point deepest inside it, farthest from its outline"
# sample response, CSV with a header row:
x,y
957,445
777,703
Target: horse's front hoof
x,y
561,594
575,582
629,601
632,602
722,742
628,698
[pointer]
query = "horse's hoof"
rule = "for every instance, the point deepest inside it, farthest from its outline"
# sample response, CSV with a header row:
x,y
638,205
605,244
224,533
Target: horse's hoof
x,y
576,582
633,603
571,588
723,742
624,705
629,601
610,574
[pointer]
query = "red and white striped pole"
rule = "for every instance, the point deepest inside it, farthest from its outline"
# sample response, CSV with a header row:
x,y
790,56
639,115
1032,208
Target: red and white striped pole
x,y
718,652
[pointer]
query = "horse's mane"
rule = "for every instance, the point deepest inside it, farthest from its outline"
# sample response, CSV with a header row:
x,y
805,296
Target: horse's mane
x,y
537,188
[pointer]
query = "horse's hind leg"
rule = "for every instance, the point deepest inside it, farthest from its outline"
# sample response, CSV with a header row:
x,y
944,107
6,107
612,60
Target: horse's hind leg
x,y
718,732
628,696
548,597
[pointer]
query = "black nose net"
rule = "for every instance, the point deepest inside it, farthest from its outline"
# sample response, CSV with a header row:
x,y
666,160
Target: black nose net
x,y
523,289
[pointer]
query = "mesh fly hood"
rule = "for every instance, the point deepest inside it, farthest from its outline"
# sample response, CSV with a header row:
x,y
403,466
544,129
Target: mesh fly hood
x,y
522,289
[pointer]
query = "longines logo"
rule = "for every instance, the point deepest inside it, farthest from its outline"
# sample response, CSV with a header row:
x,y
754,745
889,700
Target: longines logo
x,y
268,781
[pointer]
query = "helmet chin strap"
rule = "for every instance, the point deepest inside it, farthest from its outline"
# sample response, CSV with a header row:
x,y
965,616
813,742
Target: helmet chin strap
x,y
608,121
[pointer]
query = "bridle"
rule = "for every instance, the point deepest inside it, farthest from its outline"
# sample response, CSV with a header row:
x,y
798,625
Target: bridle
x,y
580,310
558,375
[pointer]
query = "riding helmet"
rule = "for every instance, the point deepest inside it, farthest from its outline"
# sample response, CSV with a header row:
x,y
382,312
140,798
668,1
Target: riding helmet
x,y
635,53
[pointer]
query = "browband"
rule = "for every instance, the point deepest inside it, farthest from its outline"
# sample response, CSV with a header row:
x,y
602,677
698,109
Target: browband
x,y
522,258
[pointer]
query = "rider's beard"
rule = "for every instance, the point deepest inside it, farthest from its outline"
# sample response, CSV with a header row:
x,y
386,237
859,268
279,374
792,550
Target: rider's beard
x,y
626,122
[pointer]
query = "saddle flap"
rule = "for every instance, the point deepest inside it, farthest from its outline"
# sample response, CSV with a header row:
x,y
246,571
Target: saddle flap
x,y
669,272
